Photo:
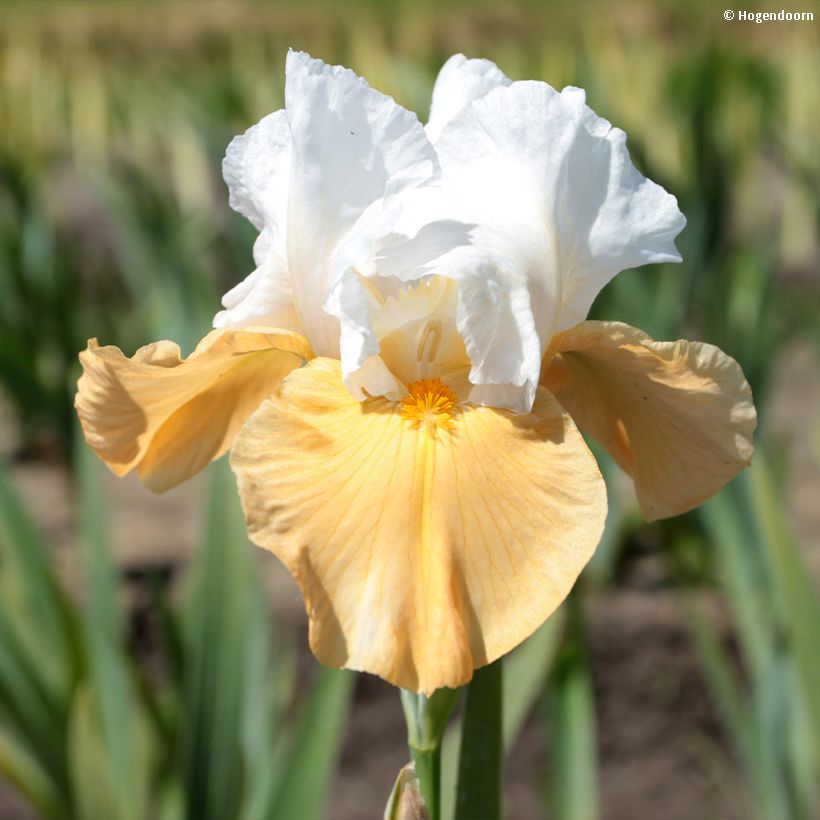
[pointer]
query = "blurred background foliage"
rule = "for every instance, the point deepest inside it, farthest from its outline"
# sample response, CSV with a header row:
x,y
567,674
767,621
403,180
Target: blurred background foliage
x,y
114,117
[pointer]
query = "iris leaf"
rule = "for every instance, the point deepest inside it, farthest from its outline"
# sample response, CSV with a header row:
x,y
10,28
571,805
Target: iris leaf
x,y
572,727
311,764
478,793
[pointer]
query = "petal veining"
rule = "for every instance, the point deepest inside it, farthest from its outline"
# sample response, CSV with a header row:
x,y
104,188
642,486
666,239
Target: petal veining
x,y
423,549
168,417
677,416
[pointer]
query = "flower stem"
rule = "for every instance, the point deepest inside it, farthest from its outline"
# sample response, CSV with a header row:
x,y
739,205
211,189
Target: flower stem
x,y
426,721
479,769
428,771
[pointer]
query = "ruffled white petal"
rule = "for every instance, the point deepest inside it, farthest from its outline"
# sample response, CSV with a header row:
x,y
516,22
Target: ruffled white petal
x,y
529,203
304,176
256,169
265,297
506,308
382,291
502,341
459,82
613,218
559,210
500,304
352,146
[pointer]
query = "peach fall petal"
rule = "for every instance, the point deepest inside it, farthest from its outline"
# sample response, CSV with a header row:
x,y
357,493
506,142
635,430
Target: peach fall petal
x,y
428,538
168,417
677,416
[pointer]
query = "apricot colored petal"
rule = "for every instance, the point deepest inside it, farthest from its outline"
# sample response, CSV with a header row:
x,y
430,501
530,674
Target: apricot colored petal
x,y
168,417
420,556
677,416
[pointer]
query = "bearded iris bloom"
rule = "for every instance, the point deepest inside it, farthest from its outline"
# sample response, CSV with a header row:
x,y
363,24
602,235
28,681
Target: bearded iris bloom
x,y
402,378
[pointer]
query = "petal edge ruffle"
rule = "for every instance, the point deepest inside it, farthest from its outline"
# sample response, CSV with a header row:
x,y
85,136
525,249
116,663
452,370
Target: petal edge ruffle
x,y
420,557
168,417
677,416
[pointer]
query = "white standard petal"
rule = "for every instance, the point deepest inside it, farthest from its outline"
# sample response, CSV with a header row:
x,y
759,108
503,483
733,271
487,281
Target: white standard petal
x,y
352,146
557,204
264,298
612,217
498,305
256,169
459,82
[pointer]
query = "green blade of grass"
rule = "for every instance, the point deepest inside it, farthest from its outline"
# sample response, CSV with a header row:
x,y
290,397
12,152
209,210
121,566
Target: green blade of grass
x,y
98,791
798,596
266,676
311,764
214,668
726,525
108,713
771,599
744,574
801,751
27,707
526,670
32,592
39,656
573,786
103,605
742,724
20,767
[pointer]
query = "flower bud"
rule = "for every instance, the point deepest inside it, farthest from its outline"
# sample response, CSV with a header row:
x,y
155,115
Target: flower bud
x,y
405,801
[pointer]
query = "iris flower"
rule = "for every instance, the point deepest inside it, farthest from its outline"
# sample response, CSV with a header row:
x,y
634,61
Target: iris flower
x,y
402,378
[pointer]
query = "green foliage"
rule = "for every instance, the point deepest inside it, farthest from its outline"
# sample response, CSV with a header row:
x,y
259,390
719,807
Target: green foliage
x,y
86,733
479,767
310,767
573,786
526,670
771,718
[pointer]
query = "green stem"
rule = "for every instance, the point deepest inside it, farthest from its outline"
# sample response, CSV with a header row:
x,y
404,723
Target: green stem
x,y
426,721
479,770
428,770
